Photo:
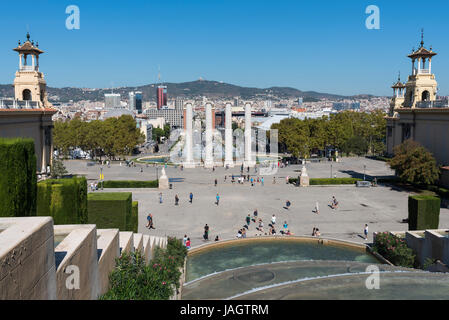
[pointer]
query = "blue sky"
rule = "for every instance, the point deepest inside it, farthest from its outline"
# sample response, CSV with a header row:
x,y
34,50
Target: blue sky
x,y
310,45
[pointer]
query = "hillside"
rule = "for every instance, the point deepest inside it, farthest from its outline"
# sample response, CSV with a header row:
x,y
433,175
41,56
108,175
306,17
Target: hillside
x,y
210,89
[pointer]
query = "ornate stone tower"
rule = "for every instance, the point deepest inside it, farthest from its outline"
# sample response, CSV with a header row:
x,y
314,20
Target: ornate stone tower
x,y
421,87
29,84
398,97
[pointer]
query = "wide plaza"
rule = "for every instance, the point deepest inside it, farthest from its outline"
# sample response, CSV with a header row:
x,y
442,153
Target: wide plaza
x,y
382,208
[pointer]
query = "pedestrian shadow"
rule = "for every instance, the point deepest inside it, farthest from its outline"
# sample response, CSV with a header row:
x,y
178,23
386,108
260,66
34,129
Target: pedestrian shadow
x,y
360,236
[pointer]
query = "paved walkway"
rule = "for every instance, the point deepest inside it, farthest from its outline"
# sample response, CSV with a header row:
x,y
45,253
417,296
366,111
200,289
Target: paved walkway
x,y
381,207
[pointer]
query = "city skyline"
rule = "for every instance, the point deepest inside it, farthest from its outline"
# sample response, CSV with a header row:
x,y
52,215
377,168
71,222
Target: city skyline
x,y
311,47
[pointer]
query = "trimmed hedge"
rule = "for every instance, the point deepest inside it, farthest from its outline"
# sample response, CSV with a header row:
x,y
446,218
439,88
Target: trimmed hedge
x,y
63,199
328,181
423,212
131,184
134,221
18,180
111,210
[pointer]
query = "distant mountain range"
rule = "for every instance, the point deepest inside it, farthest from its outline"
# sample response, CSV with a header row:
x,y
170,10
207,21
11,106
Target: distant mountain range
x,y
210,89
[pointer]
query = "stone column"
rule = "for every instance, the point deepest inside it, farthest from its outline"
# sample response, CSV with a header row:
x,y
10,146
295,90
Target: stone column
x,y
188,148
248,142
209,161
229,157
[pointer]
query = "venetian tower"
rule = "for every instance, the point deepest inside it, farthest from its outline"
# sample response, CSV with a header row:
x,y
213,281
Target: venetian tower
x,y
29,84
421,87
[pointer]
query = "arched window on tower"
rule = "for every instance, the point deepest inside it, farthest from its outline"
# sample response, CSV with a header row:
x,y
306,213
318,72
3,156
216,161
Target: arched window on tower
x,y
425,96
26,95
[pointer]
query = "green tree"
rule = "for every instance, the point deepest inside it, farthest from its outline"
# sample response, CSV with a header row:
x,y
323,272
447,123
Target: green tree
x,y
57,169
356,145
414,163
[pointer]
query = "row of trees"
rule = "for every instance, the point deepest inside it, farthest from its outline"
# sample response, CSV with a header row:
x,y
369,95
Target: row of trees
x,y
349,132
112,138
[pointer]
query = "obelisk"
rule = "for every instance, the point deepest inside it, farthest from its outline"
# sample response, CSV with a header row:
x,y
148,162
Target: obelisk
x,y
188,149
229,157
248,155
209,161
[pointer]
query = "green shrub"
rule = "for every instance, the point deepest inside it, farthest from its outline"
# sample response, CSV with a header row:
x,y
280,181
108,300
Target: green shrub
x,y
110,210
131,184
332,181
18,180
133,280
394,249
63,199
423,212
327,181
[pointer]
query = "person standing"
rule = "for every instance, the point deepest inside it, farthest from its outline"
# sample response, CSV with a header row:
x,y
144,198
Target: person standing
x,y
288,204
255,213
188,243
261,179
218,199
273,220
206,232
191,197
176,200
216,182
365,231
317,208
248,220
184,240
160,198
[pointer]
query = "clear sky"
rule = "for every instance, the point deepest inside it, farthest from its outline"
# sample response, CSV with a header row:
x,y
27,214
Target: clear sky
x,y
309,45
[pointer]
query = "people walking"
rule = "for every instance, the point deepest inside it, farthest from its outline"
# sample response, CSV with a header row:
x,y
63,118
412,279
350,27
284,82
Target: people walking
x,y
218,199
150,224
160,198
317,208
365,231
216,182
191,197
288,204
334,204
176,200
273,220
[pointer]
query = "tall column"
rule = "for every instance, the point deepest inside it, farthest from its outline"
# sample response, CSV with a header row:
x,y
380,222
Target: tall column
x,y
229,157
209,161
248,155
188,149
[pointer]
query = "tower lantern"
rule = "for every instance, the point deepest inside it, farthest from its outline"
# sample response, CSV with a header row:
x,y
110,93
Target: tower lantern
x,y
421,87
29,84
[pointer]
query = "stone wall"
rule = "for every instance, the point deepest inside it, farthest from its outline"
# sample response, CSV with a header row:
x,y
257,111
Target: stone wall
x,y
46,262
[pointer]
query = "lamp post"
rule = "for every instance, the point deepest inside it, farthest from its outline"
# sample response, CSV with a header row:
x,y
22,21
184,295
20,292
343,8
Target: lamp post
x,y
331,170
101,177
364,169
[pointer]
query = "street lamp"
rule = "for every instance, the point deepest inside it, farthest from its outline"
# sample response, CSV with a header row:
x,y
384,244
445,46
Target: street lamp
x,y
331,170
364,169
